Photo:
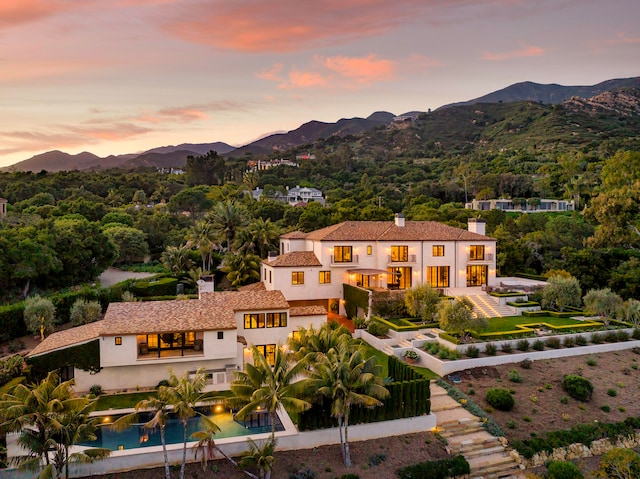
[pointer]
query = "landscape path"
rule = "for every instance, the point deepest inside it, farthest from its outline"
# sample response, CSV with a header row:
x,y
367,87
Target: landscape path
x,y
487,455
114,275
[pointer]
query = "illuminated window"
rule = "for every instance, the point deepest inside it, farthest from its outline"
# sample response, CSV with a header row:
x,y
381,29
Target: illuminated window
x,y
399,278
438,276
438,250
269,352
325,277
276,320
118,340
253,321
369,250
342,254
297,277
399,254
476,252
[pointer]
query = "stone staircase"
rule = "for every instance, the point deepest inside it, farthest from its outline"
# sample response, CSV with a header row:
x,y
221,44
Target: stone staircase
x,y
484,305
404,343
487,455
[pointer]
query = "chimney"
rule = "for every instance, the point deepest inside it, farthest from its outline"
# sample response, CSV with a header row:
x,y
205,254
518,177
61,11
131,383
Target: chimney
x,y
477,225
399,220
205,285
271,255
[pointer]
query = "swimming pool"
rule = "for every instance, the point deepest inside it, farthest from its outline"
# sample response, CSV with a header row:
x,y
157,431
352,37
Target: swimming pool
x,y
137,436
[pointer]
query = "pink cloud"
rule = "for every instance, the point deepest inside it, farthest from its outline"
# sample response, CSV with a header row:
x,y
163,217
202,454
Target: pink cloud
x,y
364,70
19,12
527,51
623,39
272,74
302,79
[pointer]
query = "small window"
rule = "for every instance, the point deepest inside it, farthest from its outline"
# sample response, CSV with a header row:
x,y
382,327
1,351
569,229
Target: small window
x,y
438,250
399,254
270,277
325,277
297,277
276,320
253,321
476,252
118,340
369,250
342,254
220,334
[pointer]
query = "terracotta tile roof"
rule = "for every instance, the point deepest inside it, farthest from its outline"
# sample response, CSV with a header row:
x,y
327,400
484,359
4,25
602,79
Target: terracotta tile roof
x,y
294,235
214,311
259,286
61,339
307,310
295,258
388,231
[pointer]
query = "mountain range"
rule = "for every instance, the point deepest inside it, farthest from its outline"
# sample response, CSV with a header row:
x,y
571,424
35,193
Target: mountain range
x,y
452,120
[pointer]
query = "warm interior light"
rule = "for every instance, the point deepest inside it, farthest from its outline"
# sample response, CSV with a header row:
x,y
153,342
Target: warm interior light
x,y
218,408
106,419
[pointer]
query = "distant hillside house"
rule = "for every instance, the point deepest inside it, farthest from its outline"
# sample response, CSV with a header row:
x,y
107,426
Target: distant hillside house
x,y
3,207
531,205
171,171
294,196
259,165
306,156
380,255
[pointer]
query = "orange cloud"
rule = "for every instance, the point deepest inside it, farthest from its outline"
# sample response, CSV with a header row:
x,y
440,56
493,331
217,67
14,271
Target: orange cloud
x,y
288,25
364,70
272,74
623,39
19,12
302,79
524,52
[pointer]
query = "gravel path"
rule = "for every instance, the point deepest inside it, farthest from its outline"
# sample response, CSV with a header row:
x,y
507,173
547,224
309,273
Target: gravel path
x,y
114,275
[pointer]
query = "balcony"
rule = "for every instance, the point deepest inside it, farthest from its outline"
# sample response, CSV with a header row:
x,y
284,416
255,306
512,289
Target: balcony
x,y
408,259
488,258
354,260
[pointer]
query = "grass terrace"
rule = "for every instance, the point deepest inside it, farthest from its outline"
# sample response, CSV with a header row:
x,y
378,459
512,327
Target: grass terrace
x,y
513,323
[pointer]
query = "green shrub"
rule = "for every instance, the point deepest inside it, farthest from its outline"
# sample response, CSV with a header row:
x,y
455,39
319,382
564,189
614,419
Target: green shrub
x,y
96,390
577,387
376,328
553,343
620,463
564,400
538,345
591,361
442,469
526,363
581,341
500,399
612,392
596,338
568,342
472,352
605,408
622,336
523,345
514,376
507,348
611,337
563,470
303,474
636,333
490,349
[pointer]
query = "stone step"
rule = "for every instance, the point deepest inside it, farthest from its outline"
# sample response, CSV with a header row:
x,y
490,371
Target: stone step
x,y
460,423
495,463
454,433
443,406
480,451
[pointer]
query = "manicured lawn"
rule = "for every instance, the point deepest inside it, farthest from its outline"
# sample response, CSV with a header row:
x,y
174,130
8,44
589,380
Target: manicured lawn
x,y
427,373
380,357
508,323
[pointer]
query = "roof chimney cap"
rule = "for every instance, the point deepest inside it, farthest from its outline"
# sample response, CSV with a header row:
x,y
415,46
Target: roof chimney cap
x,y
399,220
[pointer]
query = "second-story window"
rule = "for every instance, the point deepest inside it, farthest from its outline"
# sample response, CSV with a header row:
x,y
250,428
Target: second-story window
x,y
399,254
325,277
342,254
369,250
476,252
253,321
276,320
437,250
297,277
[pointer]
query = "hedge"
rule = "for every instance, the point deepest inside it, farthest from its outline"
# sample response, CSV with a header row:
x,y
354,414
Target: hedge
x,y
400,324
441,469
354,297
448,337
84,356
154,287
409,396
12,321
63,301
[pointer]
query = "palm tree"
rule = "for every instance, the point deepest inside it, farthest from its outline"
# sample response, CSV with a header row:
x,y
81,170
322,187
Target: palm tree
x,y
630,311
265,236
241,268
262,386
348,379
176,260
227,218
261,456
185,393
317,342
33,411
202,236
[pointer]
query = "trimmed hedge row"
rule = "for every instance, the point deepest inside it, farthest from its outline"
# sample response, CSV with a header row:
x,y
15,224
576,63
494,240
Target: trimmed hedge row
x,y
354,297
442,469
400,324
409,396
554,314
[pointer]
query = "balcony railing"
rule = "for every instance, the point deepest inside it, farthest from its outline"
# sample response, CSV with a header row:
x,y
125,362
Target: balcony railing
x,y
409,259
487,257
354,260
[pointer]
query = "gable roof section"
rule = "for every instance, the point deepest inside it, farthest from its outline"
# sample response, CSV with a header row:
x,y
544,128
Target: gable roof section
x,y
388,231
213,311
294,258
294,235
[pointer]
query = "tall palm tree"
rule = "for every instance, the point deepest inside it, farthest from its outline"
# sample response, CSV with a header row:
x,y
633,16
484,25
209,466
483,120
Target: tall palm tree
x,y
260,456
317,342
262,386
227,219
348,379
176,260
33,412
265,236
185,393
202,237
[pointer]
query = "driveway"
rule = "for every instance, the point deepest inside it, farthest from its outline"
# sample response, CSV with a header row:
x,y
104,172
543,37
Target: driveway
x,y
114,275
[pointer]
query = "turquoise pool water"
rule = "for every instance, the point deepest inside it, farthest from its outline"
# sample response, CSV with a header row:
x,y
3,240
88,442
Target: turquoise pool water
x,y
137,436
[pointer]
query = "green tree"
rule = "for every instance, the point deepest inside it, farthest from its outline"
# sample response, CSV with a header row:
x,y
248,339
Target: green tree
x,y
630,311
311,343
602,302
259,237
84,312
456,316
193,200
347,379
177,260
130,244
423,301
203,237
261,456
206,169
269,387
39,313
561,292
619,463
241,268
227,219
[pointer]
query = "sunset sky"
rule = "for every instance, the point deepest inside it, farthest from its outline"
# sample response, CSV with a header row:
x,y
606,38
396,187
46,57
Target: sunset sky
x,y
123,76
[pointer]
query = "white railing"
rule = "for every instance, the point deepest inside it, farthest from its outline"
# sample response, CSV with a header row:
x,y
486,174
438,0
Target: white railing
x,y
410,259
354,260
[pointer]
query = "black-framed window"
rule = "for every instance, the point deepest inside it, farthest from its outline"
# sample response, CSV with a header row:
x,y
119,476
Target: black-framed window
x,y
325,277
269,352
118,340
297,277
276,320
220,334
399,254
476,252
437,250
342,254
253,320
438,276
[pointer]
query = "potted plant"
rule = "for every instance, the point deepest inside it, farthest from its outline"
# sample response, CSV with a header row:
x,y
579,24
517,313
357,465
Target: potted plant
x,y
410,356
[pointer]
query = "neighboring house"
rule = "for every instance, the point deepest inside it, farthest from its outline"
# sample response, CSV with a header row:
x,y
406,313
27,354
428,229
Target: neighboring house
x,y
382,255
259,165
293,196
138,341
531,205
3,207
